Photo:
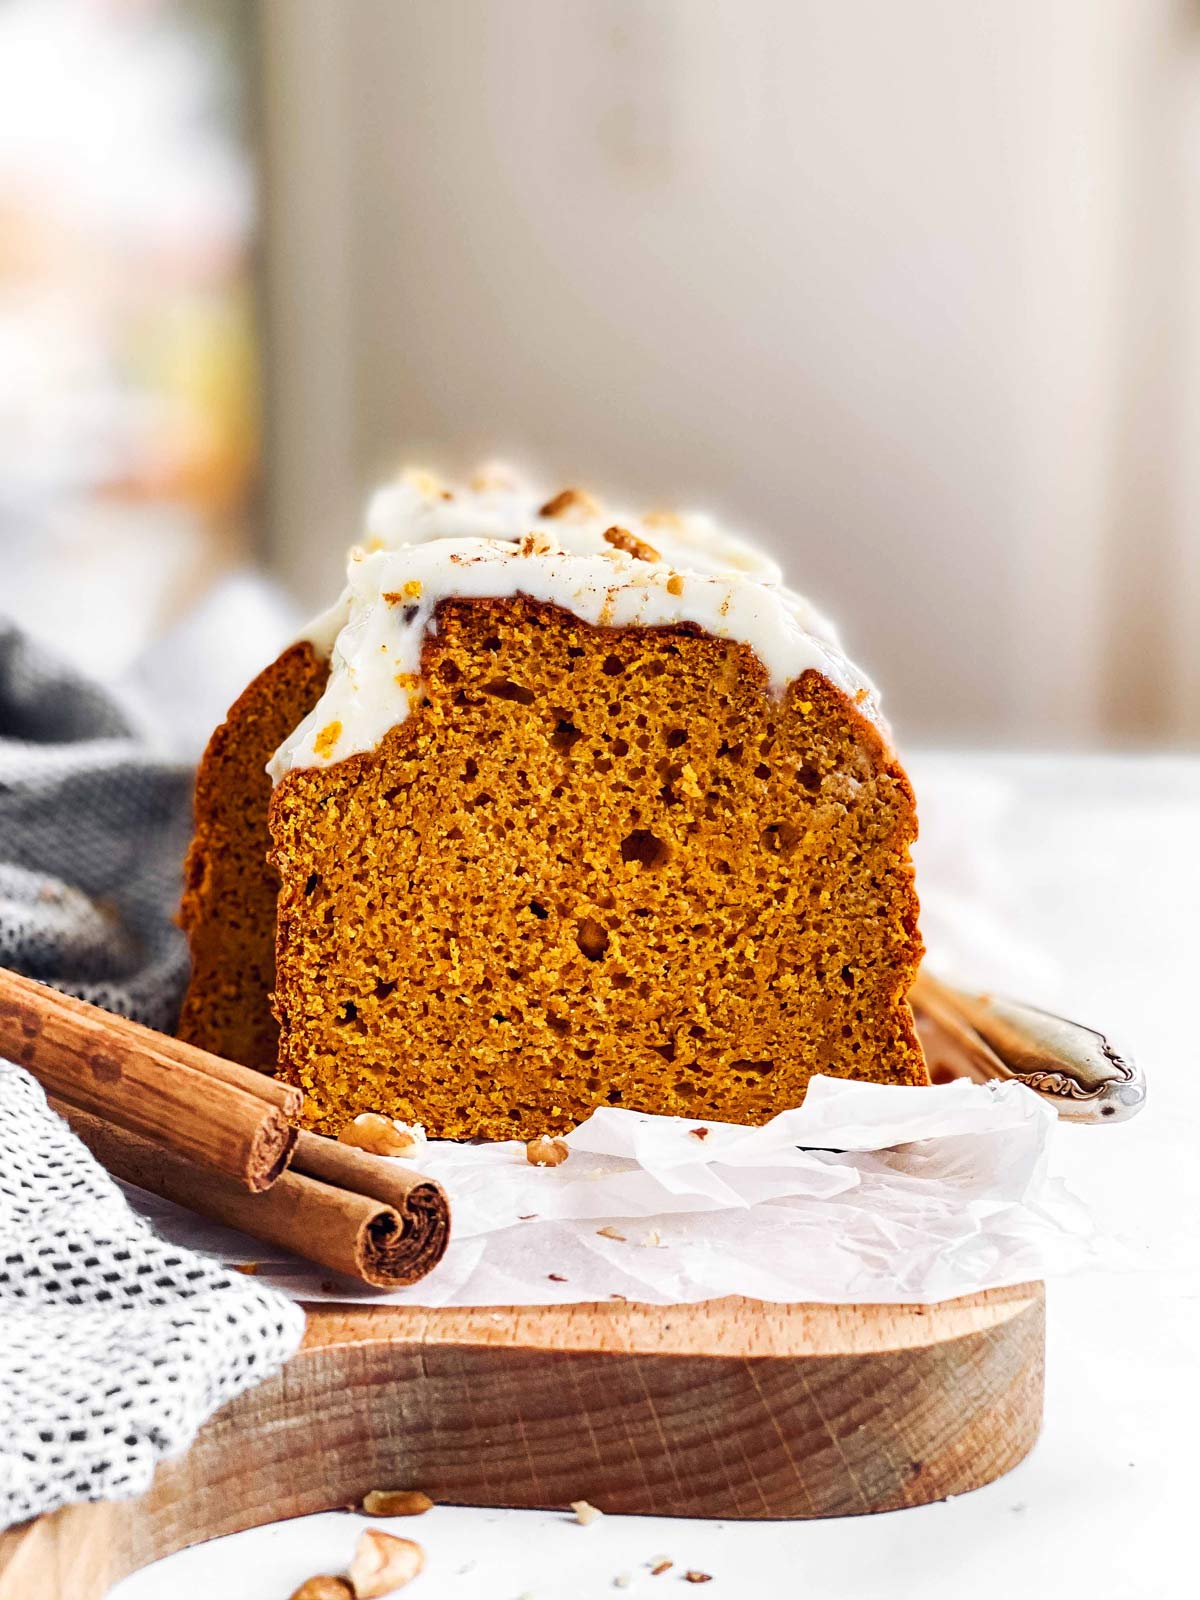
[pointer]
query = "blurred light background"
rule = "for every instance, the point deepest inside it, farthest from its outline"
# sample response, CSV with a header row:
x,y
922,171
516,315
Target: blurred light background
x,y
911,290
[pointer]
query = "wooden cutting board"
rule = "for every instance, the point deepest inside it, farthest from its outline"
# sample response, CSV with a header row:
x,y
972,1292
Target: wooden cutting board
x,y
730,1408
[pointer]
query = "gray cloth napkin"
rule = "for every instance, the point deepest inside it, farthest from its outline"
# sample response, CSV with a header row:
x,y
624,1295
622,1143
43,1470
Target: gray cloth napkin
x,y
92,834
114,1346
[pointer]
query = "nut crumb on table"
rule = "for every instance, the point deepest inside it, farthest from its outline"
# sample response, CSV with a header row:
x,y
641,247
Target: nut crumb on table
x,y
396,1503
383,1563
324,1587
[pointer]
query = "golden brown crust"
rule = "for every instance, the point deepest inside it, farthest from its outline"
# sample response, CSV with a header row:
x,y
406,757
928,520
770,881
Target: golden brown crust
x,y
597,866
228,907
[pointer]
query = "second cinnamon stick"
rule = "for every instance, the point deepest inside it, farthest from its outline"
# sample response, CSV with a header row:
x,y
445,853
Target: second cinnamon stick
x,y
211,1112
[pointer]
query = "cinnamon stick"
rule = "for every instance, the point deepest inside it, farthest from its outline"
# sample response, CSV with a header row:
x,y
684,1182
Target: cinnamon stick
x,y
214,1113
952,1047
354,1213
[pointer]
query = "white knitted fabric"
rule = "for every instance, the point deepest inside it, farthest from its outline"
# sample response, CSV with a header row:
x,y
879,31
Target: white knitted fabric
x,y
114,1346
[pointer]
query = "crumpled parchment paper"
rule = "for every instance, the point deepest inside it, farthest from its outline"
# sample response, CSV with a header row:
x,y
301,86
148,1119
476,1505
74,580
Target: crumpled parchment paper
x,y
866,1193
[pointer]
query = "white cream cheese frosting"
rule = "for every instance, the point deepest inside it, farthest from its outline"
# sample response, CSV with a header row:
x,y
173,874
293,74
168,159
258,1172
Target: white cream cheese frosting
x,y
498,505
426,544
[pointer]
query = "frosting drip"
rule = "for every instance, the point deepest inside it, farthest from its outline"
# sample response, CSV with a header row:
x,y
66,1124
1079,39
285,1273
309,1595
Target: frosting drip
x,y
426,544
418,508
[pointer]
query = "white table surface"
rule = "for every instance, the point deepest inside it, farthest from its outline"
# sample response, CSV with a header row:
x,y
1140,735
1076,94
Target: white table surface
x,y
1094,863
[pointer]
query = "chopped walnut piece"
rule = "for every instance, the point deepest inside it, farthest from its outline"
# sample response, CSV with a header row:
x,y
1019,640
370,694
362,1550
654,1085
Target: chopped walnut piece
x,y
546,1152
381,1136
537,544
396,1503
692,1576
622,539
383,1563
611,1233
585,1513
660,1565
324,1587
571,502
698,1133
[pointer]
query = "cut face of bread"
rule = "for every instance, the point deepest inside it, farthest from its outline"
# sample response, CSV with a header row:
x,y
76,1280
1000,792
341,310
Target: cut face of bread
x,y
230,888
595,866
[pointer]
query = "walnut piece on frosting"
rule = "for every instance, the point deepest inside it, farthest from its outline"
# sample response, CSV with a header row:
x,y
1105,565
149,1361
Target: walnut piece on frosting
x,y
571,503
622,539
536,543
